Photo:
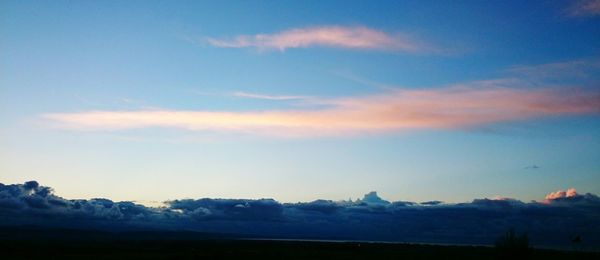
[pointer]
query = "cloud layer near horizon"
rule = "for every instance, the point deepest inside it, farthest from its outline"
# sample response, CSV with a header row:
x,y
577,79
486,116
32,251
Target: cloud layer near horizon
x,y
348,37
552,222
456,107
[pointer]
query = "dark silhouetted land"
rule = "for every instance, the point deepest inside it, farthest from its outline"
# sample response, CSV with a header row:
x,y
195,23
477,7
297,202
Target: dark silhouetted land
x,y
30,243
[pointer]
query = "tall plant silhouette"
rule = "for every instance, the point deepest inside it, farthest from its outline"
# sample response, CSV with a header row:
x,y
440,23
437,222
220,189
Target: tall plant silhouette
x,y
513,244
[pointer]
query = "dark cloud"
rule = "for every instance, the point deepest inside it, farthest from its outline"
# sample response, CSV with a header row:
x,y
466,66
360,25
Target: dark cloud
x,y
552,222
372,198
30,185
320,206
230,209
432,202
532,167
581,200
32,204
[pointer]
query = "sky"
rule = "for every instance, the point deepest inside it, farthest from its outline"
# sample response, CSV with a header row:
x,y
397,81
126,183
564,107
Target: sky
x,y
151,101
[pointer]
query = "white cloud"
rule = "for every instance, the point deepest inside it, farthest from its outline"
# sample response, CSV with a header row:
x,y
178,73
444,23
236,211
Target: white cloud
x,y
355,37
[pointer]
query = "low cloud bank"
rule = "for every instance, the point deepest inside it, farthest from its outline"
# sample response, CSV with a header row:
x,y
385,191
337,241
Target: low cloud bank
x,y
552,222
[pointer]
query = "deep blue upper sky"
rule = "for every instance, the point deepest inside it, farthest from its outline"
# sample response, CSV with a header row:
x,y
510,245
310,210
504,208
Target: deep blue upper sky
x,y
297,100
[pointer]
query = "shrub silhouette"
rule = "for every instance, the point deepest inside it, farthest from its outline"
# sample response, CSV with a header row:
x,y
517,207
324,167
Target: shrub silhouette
x,y
513,245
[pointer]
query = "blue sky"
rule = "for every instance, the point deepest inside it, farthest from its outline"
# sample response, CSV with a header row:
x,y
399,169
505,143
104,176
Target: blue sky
x,y
307,121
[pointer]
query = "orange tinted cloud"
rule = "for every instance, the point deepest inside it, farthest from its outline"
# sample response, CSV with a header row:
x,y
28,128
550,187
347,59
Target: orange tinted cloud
x,y
357,37
392,111
571,192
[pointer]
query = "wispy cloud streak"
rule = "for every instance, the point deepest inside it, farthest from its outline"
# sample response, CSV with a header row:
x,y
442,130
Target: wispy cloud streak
x,y
574,69
356,37
266,97
456,107
584,8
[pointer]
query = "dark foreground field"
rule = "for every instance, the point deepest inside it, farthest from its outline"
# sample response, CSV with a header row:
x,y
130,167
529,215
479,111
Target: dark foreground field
x,y
75,245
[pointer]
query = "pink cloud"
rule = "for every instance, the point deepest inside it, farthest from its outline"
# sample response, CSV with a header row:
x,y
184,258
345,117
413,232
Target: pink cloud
x,y
571,192
584,8
392,111
356,37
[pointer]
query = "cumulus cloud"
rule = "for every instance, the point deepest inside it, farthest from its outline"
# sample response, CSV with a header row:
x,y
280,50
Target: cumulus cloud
x,y
571,192
348,37
27,203
372,198
584,8
321,206
571,197
453,107
229,209
370,218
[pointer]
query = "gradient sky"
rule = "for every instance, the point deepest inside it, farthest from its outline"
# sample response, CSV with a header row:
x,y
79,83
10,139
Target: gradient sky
x,y
419,100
